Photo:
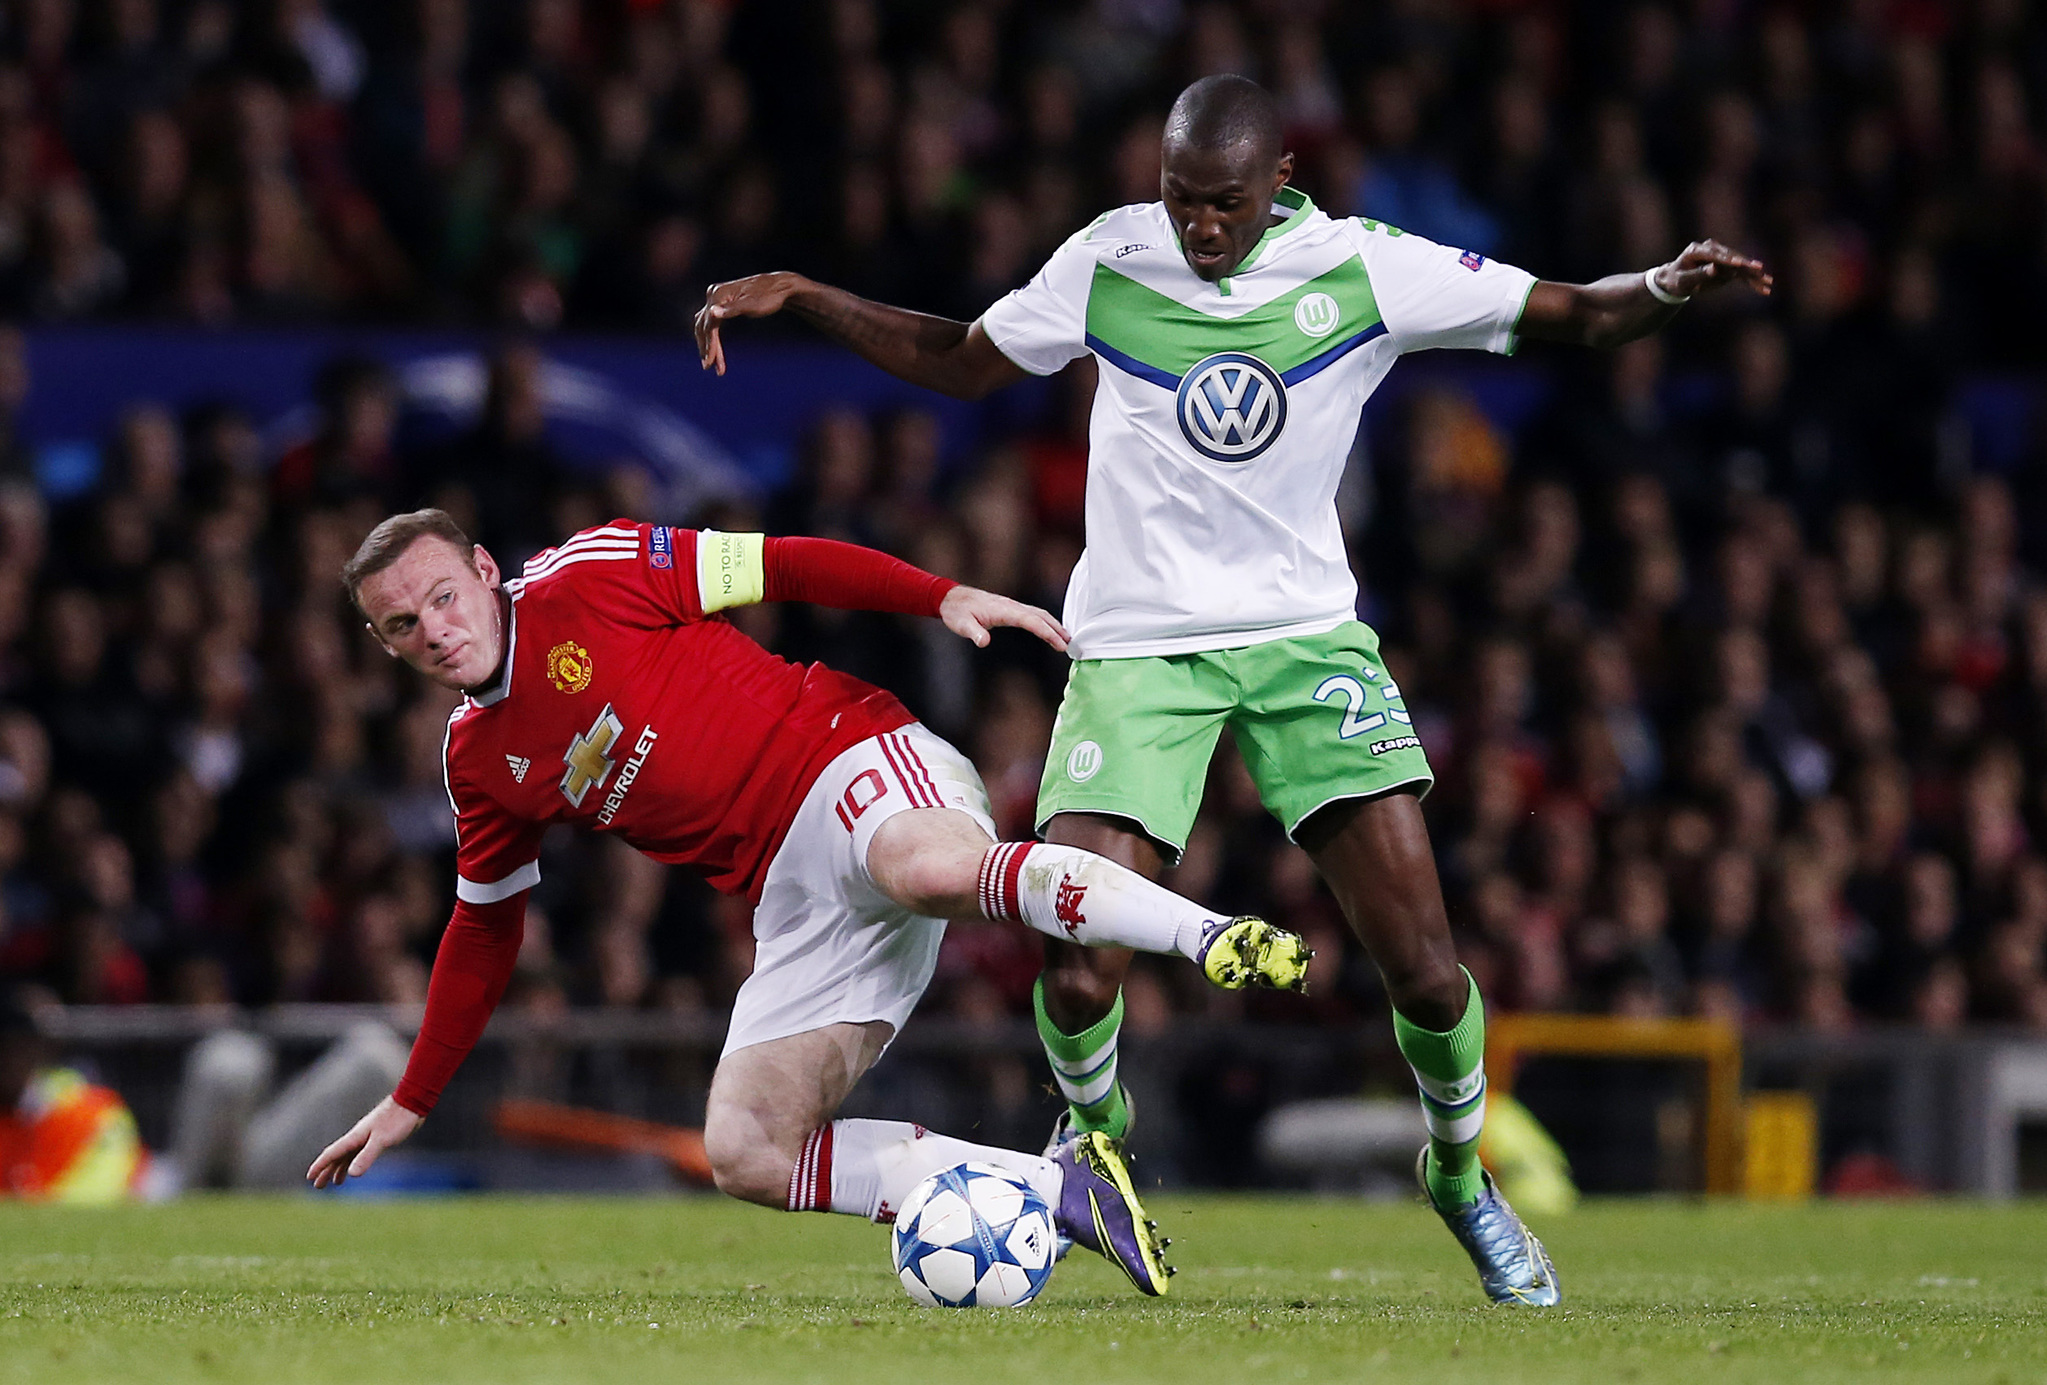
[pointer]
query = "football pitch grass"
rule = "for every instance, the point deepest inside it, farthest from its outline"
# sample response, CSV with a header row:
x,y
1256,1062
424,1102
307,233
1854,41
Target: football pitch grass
x,y
705,1291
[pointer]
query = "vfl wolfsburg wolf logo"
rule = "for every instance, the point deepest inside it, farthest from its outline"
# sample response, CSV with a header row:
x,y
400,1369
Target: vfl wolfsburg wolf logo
x,y
1231,406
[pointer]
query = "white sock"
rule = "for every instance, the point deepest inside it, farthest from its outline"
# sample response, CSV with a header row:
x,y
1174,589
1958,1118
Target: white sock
x,y
1080,897
867,1168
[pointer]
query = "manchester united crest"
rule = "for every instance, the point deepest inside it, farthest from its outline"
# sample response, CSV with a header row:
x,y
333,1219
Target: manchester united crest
x,y
569,667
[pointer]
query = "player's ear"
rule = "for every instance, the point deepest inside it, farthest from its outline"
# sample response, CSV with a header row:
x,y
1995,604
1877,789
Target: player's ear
x,y
382,643
486,567
1285,173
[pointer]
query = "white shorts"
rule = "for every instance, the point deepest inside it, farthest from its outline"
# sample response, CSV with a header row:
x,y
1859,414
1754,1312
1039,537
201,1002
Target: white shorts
x,y
830,947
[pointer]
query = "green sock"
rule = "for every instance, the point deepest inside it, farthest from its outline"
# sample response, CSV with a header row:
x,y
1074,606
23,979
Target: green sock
x,y
1450,1070
1084,1066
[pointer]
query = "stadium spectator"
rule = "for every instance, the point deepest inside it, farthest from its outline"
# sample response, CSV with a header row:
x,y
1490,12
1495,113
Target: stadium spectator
x,y
62,1139
1731,654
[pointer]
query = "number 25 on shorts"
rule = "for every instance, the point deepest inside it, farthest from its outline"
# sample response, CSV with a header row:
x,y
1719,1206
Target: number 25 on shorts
x,y
1356,695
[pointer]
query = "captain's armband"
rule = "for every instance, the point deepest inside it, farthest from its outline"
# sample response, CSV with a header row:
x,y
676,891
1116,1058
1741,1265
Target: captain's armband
x,y
730,569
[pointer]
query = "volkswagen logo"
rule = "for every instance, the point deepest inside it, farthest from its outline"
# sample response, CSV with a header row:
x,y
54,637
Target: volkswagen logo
x,y
1232,406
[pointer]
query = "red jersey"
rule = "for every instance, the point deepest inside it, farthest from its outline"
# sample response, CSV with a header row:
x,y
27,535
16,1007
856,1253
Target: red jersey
x,y
624,708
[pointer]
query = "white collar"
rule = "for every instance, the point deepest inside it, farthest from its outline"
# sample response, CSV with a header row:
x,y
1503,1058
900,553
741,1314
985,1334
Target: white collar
x,y
500,690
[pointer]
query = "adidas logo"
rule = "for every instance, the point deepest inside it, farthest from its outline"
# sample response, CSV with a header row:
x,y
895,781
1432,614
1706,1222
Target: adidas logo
x,y
520,764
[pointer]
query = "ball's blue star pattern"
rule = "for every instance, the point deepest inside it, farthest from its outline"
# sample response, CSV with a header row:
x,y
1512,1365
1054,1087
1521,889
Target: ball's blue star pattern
x,y
974,1236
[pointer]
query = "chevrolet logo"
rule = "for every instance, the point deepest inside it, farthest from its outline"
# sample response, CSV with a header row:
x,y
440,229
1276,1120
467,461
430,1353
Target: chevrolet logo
x,y
588,764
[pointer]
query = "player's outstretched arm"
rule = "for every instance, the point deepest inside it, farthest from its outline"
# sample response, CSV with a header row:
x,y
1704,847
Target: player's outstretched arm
x,y
954,358
971,613
387,1124
1622,307
478,951
826,572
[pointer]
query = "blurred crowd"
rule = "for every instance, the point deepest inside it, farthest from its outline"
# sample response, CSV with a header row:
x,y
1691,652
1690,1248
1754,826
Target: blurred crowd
x,y
596,162
1730,650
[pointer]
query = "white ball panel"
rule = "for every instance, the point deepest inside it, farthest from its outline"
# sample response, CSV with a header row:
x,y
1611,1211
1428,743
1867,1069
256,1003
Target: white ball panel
x,y
906,1215
1031,1240
949,1274
915,1287
945,1219
999,1203
1002,1286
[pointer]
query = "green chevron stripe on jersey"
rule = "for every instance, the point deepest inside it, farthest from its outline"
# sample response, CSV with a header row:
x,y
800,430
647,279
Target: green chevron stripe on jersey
x,y
1169,336
1225,412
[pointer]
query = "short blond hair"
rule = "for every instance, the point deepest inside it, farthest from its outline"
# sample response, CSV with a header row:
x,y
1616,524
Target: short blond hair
x,y
387,543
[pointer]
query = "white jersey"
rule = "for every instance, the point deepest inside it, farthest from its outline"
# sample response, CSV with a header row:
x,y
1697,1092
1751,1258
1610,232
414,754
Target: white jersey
x,y
1226,411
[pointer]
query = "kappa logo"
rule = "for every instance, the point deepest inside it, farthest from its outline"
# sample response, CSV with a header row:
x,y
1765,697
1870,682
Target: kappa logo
x,y
1130,249
1396,743
1232,406
519,764
1317,314
1084,762
1066,906
569,667
588,757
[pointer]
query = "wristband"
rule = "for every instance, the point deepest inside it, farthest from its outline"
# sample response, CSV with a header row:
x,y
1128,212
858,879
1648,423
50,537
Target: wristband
x,y
1657,290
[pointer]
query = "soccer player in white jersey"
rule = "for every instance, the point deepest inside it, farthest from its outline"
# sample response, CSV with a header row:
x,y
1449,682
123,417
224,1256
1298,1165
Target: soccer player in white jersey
x,y
1240,331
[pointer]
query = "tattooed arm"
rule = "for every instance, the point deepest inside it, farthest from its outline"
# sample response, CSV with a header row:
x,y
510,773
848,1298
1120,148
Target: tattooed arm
x,y
953,358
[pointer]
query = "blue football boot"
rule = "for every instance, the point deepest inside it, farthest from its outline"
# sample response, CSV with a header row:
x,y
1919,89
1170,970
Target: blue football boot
x,y
1098,1210
1512,1265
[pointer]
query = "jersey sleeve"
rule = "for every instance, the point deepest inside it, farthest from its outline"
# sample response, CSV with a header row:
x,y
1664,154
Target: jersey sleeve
x,y
477,956
497,855
1434,295
741,569
653,575
1043,325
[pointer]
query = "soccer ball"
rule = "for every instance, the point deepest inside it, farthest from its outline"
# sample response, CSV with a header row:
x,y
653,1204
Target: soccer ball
x,y
974,1236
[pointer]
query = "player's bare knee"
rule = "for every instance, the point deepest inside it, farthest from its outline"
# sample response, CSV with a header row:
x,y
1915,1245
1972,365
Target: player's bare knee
x,y
748,1169
751,1178
929,861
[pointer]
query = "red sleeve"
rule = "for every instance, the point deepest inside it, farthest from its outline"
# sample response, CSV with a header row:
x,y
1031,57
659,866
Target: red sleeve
x,y
497,855
826,572
663,585
470,975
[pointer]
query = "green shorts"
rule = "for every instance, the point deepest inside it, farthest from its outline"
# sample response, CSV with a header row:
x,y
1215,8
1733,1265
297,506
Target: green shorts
x,y
1316,718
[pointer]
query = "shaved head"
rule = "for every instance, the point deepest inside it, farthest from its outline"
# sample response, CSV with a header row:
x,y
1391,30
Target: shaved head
x,y
1222,162
1217,114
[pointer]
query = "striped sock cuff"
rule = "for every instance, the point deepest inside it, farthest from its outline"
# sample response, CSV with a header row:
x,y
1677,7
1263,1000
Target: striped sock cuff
x,y
1455,1123
1001,868
810,1182
1090,1085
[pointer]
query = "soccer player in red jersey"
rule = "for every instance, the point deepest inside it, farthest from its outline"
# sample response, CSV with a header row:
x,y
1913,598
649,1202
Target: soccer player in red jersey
x,y
604,689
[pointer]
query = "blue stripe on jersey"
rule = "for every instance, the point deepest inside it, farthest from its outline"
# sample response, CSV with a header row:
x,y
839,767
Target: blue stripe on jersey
x,y
1163,379
1315,365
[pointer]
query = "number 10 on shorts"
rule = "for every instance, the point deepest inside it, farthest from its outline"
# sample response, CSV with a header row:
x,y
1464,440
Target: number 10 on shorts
x,y
863,793
1356,698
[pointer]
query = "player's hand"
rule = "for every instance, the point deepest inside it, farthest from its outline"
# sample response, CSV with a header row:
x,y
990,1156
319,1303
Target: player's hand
x,y
387,1124
757,295
1707,264
971,613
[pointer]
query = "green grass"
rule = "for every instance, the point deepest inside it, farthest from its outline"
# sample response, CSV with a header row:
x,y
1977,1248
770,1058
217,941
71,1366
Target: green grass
x,y
705,1291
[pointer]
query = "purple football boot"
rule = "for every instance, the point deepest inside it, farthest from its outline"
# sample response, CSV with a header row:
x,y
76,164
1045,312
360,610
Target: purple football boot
x,y
1098,1209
